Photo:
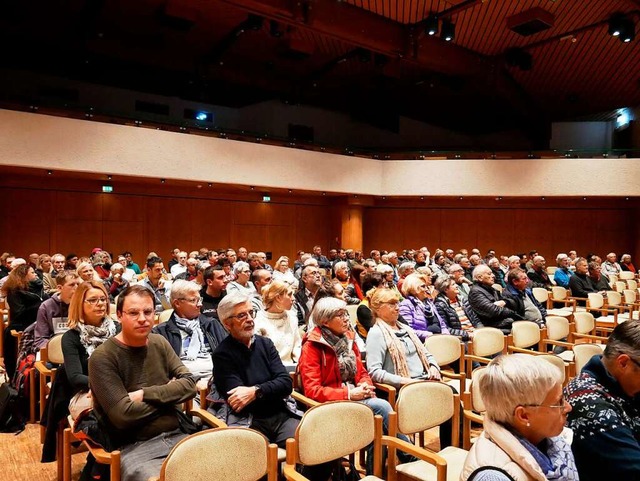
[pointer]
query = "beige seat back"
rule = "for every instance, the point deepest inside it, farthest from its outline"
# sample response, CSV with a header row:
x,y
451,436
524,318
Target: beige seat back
x,y
238,454
629,296
353,314
332,430
557,327
165,315
613,279
497,287
423,405
54,350
614,298
525,333
632,284
477,405
559,293
445,348
626,275
541,295
620,286
583,352
551,270
488,341
596,300
585,322
557,362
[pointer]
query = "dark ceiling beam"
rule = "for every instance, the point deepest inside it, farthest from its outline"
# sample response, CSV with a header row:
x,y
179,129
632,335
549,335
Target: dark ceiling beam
x,y
449,12
360,28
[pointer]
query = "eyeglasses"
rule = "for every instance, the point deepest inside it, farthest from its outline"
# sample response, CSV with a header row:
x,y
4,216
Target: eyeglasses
x,y
136,314
243,316
96,300
392,305
637,363
194,300
561,405
342,315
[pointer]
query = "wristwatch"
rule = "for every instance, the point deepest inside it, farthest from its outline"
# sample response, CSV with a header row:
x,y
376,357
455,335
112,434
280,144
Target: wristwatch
x,y
259,392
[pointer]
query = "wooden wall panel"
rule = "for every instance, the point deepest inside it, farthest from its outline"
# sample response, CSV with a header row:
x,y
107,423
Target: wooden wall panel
x,y
211,224
25,221
119,237
78,235
168,225
123,208
507,230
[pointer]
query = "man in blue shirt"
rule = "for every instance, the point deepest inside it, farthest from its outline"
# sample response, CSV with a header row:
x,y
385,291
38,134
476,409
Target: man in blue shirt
x,y
563,273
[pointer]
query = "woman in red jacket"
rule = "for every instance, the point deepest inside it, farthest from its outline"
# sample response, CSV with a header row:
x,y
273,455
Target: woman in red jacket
x,y
330,363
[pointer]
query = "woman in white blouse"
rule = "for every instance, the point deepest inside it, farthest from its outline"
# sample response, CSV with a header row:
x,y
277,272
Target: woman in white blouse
x,y
279,321
281,272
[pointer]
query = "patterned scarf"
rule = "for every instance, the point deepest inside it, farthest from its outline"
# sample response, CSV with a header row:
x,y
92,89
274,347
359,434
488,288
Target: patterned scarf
x,y
346,356
196,341
92,336
397,351
557,463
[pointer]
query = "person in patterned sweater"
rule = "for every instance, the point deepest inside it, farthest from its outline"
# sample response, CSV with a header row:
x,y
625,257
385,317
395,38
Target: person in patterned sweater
x,y
606,413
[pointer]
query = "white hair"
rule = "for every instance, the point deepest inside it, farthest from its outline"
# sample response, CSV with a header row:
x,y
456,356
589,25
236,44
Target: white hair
x,y
516,380
181,288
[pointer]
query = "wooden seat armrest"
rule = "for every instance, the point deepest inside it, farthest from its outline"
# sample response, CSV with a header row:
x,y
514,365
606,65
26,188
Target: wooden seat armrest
x,y
208,418
102,456
291,474
602,310
511,349
453,375
43,369
556,343
473,416
591,336
420,453
301,398
573,298
390,390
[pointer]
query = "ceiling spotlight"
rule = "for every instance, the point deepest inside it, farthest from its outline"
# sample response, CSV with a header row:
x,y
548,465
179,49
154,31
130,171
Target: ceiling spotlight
x,y
109,177
162,181
448,32
628,33
431,25
49,172
615,24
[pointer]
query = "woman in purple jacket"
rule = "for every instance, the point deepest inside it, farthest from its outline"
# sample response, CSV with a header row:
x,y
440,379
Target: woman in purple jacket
x,y
419,310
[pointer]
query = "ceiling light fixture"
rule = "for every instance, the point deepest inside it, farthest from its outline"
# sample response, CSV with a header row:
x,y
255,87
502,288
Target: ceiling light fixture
x,y
448,32
431,25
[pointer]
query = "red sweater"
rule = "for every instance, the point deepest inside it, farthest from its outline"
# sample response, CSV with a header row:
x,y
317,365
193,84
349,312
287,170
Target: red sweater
x,y
320,372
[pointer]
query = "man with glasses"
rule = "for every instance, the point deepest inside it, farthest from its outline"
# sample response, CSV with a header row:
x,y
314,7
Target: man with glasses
x,y
136,380
606,415
464,285
192,335
311,280
250,376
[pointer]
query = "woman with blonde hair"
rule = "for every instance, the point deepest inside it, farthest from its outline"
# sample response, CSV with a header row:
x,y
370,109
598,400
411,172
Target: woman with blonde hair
x,y
86,272
395,354
524,437
281,272
279,322
89,326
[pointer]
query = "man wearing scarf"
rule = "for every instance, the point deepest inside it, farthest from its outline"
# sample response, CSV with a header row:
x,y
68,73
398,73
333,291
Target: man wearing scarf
x,y
193,336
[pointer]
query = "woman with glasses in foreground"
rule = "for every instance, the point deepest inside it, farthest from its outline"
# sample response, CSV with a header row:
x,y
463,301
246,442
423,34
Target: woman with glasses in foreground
x,y
89,326
524,437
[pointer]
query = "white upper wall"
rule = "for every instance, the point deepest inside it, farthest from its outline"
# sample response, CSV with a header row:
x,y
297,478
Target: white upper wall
x,y
46,142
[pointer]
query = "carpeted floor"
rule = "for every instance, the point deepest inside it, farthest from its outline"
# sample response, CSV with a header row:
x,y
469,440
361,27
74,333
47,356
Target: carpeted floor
x,y
20,458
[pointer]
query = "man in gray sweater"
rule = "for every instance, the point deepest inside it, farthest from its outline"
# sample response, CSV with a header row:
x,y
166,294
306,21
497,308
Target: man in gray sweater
x,y
137,380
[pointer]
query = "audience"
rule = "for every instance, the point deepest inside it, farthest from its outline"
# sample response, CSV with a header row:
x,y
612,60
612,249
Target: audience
x,y
242,273
563,273
626,264
537,273
456,313
520,298
419,310
213,291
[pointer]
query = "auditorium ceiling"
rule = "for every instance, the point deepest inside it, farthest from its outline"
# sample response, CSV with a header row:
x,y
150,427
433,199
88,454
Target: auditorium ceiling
x,y
511,63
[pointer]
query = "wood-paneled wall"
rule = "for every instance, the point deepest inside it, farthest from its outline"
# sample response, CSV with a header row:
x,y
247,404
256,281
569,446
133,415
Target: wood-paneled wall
x,y
40,213
62,221
507,230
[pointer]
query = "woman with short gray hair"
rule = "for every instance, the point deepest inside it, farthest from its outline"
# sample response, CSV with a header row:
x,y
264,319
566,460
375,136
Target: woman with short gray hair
x,y
524,437
242,283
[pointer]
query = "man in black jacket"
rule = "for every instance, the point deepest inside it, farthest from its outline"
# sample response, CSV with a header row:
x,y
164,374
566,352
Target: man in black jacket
x,y
310,283
193,336
580,283
520,298
487,303
537,273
